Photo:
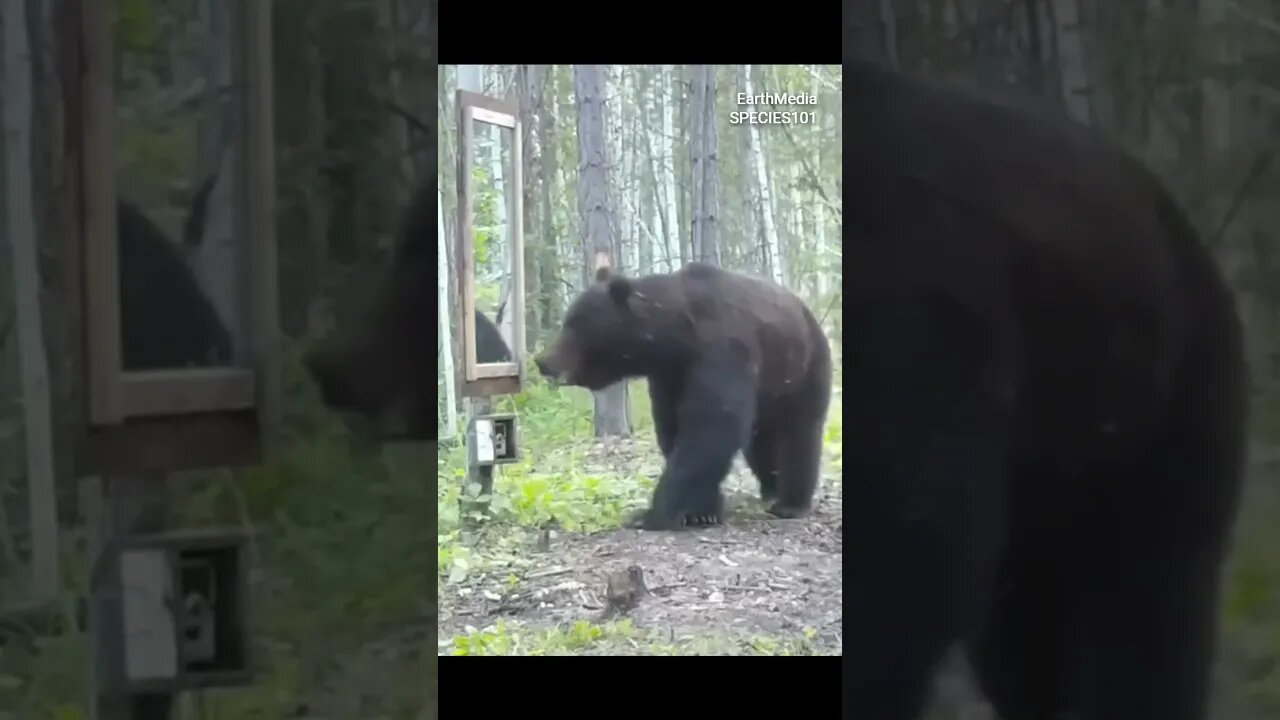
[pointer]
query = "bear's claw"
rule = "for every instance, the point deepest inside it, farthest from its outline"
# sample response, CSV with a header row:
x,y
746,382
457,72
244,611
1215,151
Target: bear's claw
x,y
647,521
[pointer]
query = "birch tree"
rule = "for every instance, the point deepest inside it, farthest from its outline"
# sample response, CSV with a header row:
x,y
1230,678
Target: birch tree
x,y
751,234
19,225
819,208
528,80
548,172
444,333
771,252
704,183
671,213
1071,58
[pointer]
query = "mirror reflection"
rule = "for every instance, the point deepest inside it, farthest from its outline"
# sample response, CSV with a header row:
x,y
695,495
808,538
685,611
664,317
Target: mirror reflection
x,y
180,256
492,225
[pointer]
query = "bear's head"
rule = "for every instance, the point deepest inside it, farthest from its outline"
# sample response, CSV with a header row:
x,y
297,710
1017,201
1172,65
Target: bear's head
x,y
611,331
372,369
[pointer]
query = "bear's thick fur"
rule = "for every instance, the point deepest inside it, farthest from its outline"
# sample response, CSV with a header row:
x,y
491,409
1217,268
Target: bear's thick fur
x,y
1044,396
733,362
377,367
166,321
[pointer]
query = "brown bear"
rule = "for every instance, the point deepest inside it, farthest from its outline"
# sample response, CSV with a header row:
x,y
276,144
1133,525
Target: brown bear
x,y
1044,397
377,368
734,362
166,320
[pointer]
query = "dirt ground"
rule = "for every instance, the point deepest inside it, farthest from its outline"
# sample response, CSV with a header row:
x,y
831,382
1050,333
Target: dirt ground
x,y
755,577
718,590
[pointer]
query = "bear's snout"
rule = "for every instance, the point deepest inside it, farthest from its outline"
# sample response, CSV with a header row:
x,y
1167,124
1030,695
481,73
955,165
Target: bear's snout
x,y
541,363
550,369
557,361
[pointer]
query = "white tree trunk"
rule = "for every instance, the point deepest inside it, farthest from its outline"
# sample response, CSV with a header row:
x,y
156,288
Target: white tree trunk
x,y
218,261
445,331
697,108
709,223
773,259
1071,59
1216,103
32,360
615,130
819,208
670,225
655,226
391,16
705,174
633,185
797,217
750,193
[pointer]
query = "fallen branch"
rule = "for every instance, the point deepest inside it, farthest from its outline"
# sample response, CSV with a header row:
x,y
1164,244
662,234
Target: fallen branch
x,y
1256,171
536,574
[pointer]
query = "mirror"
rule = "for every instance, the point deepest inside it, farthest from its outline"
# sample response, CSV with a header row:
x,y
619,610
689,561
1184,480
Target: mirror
x,y
490,247
492,218
181,250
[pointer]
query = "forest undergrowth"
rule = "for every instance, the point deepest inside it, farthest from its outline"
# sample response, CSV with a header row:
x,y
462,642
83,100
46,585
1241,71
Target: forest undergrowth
x,y
527,569
340,558
1249,665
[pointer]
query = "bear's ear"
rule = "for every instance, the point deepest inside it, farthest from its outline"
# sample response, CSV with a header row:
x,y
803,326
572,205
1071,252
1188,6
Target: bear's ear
x,y
619,290
603,273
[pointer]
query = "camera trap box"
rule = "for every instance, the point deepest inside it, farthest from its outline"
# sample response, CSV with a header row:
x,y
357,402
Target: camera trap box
x,y
175,610
492,440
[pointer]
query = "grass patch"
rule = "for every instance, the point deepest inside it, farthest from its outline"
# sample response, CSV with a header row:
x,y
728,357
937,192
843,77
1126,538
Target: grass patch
x,y
1251,607
563,480
614,637
344,563
567,481
555,484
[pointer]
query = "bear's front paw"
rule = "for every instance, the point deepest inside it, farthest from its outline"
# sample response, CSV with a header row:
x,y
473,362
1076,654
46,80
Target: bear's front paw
x,y
702,520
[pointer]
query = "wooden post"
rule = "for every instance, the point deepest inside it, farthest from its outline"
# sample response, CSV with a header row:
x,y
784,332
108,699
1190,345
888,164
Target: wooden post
x,y
482,474
469,78
116,506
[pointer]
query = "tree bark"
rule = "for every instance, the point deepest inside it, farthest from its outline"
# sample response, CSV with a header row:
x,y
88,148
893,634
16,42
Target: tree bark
x,y
599,245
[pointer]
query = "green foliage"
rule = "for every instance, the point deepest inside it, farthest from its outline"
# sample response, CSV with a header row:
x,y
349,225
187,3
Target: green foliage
x,y
1264,412
136,29
342,516
1251,607
344,559
566,482
505,639
485,211
550,485
44,676
606,638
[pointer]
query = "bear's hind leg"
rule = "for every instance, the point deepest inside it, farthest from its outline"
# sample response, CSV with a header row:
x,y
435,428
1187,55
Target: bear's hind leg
x,y
798,451
1020,652
761,455
1156,546
1150,625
